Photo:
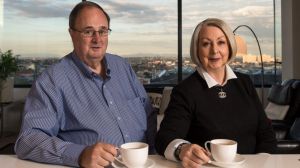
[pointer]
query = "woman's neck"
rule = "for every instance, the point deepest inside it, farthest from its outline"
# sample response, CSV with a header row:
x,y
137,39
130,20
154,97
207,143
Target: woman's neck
x,y
218,75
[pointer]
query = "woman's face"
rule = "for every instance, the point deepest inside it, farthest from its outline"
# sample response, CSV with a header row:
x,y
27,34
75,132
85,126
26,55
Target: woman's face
x,y
213,50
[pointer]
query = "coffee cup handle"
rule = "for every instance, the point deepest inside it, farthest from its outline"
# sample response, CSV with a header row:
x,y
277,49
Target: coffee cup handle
x,y
206,145
120,161
117,158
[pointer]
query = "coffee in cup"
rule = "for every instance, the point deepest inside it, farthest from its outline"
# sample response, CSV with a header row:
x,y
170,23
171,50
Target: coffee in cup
x,y
134,154
222,150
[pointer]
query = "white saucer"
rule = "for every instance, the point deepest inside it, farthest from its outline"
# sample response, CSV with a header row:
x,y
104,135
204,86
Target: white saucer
x,y
149,164
239,159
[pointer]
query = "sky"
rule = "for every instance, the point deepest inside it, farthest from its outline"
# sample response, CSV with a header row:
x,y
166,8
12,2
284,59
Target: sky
x,y
39,28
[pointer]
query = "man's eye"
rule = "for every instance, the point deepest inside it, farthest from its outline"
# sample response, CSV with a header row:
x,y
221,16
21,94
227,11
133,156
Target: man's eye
x,y
88,32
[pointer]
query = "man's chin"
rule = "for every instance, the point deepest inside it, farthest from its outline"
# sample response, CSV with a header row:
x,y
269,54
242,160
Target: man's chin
x,y
96,55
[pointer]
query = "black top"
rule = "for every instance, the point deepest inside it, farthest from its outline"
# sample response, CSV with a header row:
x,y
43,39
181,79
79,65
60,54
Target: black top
x,y
197,114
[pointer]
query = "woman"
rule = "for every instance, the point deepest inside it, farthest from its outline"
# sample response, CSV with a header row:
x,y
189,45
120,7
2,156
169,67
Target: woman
x,y
214,102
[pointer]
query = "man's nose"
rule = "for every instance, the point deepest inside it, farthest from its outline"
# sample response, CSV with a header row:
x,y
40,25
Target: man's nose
x,y
96,36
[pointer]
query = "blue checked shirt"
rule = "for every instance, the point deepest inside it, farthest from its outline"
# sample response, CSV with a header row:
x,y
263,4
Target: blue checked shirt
x,y
69,107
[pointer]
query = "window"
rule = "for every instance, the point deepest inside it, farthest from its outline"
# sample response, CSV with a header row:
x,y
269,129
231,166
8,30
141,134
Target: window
x,y
258,15
145,32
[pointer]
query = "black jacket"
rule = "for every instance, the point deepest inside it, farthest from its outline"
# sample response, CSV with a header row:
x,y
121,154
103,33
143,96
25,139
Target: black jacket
x,y
197,114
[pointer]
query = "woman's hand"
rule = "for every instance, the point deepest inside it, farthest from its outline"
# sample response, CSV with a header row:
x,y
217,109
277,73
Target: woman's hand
x,y
192,156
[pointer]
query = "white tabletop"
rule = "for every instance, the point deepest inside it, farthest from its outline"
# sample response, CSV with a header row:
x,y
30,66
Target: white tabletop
x,y
11,161
251,161
268,161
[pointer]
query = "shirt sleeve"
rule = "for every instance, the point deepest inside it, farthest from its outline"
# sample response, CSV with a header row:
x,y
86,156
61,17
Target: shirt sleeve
x,y
38,139
169,152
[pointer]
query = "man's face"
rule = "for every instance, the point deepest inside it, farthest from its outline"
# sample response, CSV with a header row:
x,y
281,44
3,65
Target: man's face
x,y
90,49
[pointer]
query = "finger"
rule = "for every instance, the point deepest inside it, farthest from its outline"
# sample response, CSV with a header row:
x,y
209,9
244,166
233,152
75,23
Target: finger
x,y
108,156
189,160
102,162
200,155
111,149
106,152
199,159
206,152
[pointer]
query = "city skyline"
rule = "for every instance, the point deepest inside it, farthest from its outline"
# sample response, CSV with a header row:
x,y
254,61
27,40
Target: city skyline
x,y
36,28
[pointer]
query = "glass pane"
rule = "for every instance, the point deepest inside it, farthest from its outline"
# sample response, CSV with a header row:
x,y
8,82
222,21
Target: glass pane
x,y
258,15
278,41
143,31
38,32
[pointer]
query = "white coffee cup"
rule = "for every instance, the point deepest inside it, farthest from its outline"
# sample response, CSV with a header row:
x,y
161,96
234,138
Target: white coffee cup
x,y
134,154
222,150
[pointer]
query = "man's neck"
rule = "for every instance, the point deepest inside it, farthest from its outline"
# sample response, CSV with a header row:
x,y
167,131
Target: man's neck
x,y
96,66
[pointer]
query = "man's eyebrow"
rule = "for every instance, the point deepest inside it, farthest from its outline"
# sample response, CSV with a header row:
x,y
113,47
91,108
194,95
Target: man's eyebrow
x,y
88,27
91,27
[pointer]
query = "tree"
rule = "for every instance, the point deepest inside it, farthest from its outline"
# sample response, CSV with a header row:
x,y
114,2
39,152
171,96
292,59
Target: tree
x,y
8,66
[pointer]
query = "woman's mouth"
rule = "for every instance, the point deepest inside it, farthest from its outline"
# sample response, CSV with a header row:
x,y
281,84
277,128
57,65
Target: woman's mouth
x,y
214,59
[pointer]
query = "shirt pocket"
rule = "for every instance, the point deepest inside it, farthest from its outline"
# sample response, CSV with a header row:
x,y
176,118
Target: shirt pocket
x,y
138,114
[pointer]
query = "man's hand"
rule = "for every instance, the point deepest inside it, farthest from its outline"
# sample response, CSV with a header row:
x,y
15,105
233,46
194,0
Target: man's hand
x,y
193,156
97,156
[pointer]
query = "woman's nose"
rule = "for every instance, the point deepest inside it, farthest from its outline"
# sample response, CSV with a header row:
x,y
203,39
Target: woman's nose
x,y
214,49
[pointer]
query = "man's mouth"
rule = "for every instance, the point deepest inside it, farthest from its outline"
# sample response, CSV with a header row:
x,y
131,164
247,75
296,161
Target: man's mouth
x,y
95,47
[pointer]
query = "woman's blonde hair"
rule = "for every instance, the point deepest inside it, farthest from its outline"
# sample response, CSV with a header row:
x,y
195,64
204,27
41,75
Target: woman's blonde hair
x,y
221,25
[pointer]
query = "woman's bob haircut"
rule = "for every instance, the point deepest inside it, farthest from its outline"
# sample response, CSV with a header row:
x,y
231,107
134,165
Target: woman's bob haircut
x,y
196,36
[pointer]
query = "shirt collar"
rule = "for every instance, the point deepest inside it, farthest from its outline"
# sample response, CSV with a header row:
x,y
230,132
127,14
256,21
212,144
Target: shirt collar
x,y
210,81
86,70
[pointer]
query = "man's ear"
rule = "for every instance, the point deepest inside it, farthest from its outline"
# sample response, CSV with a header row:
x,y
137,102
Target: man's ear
x,y
70,31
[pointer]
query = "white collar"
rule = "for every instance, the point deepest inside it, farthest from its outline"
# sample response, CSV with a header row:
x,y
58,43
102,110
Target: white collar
x,y
210,81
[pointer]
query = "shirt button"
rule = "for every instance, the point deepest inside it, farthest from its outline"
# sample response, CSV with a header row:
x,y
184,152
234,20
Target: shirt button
x,y
104,86
110,102
119,118
126,136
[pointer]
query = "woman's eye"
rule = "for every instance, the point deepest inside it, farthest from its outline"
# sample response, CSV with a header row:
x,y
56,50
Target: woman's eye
x,y
205,44
221,42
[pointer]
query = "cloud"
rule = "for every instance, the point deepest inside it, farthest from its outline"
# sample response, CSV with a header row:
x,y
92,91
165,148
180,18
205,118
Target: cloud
x,y
38,8
135,12
129,12
253,11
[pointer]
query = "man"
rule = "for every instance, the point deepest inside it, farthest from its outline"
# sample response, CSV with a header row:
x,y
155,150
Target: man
x,y
79,110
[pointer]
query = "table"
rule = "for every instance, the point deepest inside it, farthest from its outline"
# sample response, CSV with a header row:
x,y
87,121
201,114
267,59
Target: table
x,y
271,161
252,161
